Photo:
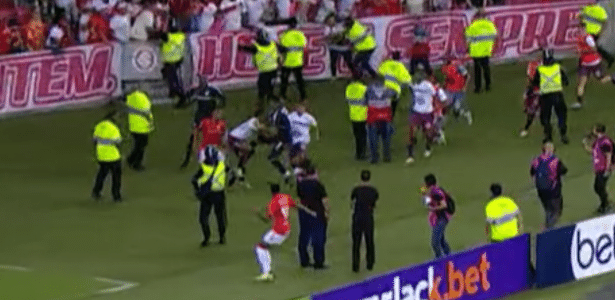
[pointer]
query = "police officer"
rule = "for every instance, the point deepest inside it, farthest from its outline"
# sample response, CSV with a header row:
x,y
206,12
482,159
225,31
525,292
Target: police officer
x,y
480,37
265,58
172,53
549,78
363,45
357,107
395,75
594,17
209,182
292,45
363,201
312,230
207,99
547,171
503,216
140,124
107,139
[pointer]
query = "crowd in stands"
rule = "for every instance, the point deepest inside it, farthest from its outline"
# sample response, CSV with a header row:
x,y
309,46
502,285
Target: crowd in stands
x,y
52,24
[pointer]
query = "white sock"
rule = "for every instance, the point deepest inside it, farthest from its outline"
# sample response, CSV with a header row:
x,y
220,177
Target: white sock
x,y
263,257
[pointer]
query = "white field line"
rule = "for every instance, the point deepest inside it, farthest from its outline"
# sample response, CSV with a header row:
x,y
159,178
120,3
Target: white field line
x,y
120,285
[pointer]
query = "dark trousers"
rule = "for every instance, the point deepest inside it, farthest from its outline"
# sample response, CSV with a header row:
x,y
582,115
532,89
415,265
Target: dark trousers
x,y
135,159
600,188
482,69
172,74
359,129
312,230
553,102
217,201
361,63
115,167
265,89
377,130
414,62
334,55
363,227
298,73
438,241
553,204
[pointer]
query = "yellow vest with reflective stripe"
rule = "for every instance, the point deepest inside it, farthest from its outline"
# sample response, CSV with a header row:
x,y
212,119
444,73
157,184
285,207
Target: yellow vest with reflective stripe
x,y
139,106
502,216
355,96
550,78
218,180
593,17
173,49
395,74
360,37
107,137
294,41
266,57
480,36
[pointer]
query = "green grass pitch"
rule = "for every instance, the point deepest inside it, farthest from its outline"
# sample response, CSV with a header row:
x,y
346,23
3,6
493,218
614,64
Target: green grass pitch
x,y
49,224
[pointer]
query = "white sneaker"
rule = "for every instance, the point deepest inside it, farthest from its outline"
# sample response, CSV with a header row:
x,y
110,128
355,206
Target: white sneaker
x,y
468,116
264,277
427,153
410,160
523,133
441,137
576,105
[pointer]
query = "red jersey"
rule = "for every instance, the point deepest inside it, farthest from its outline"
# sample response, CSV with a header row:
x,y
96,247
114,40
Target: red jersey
x,y
279,211
531,69
420,50
212,131
587,50
98,28
456,76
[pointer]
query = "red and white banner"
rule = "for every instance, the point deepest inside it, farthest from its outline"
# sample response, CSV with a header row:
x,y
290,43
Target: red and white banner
x,y
42,80
523,29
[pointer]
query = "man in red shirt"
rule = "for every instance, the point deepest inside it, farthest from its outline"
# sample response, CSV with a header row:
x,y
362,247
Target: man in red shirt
x,y
278,211
98,28
455,82
601,147
590,63
211,131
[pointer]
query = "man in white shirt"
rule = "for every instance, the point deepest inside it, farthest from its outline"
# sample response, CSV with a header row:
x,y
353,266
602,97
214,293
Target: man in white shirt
x,y
242,141
253,11
120,24
143,25
339,46
56,33
232,14
301,123
207,16
424,95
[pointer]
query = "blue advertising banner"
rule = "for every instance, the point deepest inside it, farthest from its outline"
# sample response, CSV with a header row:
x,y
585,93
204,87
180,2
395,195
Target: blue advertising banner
x,y
488,272
579,251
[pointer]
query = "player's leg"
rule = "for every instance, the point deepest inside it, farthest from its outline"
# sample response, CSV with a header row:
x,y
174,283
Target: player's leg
x,y
372,130
189,149
101,175
385,133
562,116
546,106
581,83
298,73
412,140
429,132
204,211
370,250
357,235
263,256
284,76
461,105
219,202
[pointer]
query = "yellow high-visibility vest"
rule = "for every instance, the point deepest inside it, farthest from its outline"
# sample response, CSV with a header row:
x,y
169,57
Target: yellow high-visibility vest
x,y
395,74
266,57
294,41
503,218
357,106
360,37
140,117
173,49
480,36
218,181
593,17
550,78
107,137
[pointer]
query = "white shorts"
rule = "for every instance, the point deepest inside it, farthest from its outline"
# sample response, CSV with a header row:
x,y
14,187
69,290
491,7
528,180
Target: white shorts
x,y
201,155
274,238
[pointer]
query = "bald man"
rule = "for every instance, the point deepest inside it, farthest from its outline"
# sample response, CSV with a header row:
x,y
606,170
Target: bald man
x,y
547,171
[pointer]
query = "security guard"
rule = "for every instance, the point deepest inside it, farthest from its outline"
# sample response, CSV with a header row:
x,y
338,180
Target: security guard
x,y
140,124
357,107
292,44
480,37
363,197
549,78
172,53
395,75
265,58
209,183
503,216
594,17
107,139
363,45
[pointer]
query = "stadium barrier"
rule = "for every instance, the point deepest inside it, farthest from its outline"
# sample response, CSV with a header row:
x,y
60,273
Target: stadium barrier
x,y
39,81
488,272
575,252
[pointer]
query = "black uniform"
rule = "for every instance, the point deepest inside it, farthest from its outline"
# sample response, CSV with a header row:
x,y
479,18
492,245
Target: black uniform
x,y
312,229
553,102
279,119
363,199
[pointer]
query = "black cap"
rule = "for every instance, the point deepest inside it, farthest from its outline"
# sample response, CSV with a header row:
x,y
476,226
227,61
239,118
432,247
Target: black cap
x,y
496,189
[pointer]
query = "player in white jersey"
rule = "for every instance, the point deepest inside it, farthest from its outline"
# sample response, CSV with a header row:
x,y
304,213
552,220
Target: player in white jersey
x,y
301,124
424,95
242,141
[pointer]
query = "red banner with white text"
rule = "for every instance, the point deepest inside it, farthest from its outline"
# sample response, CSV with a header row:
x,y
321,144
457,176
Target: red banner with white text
x,y
43,80
523,29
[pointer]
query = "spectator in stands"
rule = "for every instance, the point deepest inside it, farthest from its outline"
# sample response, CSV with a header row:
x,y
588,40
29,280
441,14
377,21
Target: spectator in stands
x,y
4,39
419,53
84,19
143,25
98,29
206,15
120,24
253,11
57,37
283,8
231,9
34,32
13,35
70,9
105,7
